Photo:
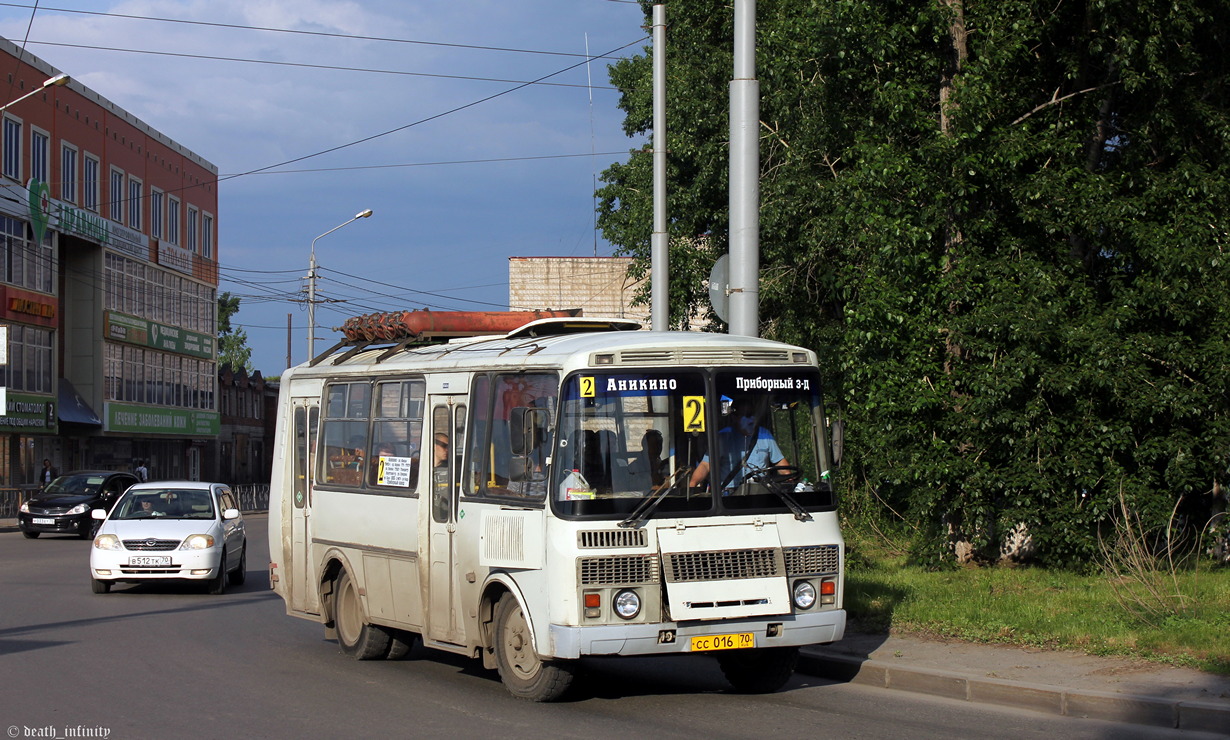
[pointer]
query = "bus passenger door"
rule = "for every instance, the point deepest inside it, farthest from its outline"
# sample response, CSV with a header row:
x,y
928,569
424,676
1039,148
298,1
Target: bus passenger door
x,y
303,593
444,612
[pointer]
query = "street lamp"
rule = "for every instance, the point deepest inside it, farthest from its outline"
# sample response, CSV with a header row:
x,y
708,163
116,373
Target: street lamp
x,y
311,276
57,81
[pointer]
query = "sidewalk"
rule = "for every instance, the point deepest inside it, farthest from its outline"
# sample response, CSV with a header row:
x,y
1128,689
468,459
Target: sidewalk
x,y
1056,682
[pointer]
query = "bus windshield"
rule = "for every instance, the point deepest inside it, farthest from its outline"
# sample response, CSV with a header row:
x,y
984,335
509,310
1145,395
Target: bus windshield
x,y
625,437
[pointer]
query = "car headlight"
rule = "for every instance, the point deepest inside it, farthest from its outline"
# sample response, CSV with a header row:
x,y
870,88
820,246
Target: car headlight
x,y
25,507
627,604
197,542
804,594
107,542
78,509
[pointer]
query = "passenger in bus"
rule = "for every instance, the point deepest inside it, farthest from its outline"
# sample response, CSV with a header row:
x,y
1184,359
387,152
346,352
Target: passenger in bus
x,y
585,446
441,496
440,450
646,467
743,445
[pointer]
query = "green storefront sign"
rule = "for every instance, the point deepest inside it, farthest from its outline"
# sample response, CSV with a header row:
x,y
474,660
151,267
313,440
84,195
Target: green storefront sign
x,y
123,417
125,328
29,414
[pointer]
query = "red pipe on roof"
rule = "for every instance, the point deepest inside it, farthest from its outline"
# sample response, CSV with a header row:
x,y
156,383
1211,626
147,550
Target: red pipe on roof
x,y
427,324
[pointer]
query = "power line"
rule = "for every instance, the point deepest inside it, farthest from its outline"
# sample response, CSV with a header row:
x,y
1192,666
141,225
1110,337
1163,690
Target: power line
x,y
491,160
421,121
327,34
305,65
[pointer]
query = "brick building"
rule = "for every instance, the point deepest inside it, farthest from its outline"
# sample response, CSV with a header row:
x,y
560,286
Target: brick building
x,y
248,407
599,286
108,283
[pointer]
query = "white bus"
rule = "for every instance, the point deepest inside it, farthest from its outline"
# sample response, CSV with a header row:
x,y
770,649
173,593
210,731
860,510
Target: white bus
x,y
546,494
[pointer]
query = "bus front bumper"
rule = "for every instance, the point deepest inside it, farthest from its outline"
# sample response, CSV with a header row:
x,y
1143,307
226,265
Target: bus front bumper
x,y
664,638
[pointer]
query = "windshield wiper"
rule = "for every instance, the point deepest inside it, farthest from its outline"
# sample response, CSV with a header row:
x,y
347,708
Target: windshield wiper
x,y
799,512
779,488
647,505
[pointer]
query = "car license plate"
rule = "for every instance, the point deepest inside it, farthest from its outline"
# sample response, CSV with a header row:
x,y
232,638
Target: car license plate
x,y
150,560
724,642
39,520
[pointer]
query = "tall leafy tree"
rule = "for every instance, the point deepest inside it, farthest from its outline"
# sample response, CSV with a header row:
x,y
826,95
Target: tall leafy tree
x,y
233,346
1002,225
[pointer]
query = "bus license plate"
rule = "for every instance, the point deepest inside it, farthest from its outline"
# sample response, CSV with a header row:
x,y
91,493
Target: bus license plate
x,y
724,642
150,560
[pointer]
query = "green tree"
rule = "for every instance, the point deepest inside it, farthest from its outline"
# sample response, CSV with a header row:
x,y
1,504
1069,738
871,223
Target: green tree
x,y
233,346
1002,226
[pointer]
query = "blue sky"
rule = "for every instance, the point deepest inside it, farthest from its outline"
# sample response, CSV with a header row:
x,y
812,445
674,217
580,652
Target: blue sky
x,y
465,180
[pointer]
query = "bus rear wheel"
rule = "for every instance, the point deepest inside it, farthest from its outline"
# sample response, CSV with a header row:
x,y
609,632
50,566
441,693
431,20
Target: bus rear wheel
x,y
356,638
759,670
524,673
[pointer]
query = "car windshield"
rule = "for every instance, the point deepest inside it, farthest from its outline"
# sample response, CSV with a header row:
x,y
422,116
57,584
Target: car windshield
x,y
76,484
165,503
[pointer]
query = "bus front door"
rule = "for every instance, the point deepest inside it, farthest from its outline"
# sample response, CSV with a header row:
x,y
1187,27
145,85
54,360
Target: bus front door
x,y
444,612
304,596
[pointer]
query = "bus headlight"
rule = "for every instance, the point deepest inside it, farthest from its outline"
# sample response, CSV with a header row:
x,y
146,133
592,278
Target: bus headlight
x,y
627,604
804,594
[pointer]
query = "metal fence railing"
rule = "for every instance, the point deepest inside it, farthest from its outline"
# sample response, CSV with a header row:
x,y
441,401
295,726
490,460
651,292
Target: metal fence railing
x,y
253,497
10,500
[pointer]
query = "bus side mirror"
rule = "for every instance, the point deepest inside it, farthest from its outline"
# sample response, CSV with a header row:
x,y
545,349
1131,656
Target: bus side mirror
x,y
522,469
527,429
837,438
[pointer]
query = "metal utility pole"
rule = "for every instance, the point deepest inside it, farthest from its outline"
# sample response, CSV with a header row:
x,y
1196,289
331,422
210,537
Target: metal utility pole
x,y
659,276
745,177
311,278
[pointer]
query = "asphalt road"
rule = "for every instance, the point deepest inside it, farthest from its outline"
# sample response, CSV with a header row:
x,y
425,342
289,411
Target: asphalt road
x,y
169,661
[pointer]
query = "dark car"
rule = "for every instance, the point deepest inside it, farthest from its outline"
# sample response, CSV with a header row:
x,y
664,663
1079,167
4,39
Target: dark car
x,y
64,506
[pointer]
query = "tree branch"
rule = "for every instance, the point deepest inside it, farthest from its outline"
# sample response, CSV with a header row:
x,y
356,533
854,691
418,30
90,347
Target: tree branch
x,y
1054,100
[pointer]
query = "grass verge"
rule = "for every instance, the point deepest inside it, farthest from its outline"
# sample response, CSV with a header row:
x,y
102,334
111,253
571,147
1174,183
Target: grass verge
x,y
1039,608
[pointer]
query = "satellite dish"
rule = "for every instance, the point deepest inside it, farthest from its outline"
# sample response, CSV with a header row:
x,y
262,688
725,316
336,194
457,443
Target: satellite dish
x,y
719,286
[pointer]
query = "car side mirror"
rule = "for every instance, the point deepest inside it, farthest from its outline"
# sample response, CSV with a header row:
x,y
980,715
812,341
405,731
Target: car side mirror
x,y
230,514
98,513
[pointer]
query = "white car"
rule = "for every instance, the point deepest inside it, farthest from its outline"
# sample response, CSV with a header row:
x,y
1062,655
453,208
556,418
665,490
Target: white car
x,y
171,530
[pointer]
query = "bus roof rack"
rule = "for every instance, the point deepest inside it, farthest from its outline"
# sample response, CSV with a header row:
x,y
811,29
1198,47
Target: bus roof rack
x,y
403,329
574,325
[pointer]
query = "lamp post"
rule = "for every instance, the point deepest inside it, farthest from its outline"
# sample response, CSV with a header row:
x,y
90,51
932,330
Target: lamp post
x,y
311,276
57,81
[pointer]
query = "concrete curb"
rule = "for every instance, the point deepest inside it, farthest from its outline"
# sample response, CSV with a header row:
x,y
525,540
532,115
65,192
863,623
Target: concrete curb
x,y
1135,709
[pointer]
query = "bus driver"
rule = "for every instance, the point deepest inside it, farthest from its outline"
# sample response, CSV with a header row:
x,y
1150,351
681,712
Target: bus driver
x,y
743,446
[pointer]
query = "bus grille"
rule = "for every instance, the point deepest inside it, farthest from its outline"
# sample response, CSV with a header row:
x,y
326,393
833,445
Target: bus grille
x,y
611,538
806,561
619,570
723,565
151,544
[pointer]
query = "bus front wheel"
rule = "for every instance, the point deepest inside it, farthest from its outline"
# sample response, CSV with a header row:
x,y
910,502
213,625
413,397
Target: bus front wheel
x,y
524,673
759,670
356,638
